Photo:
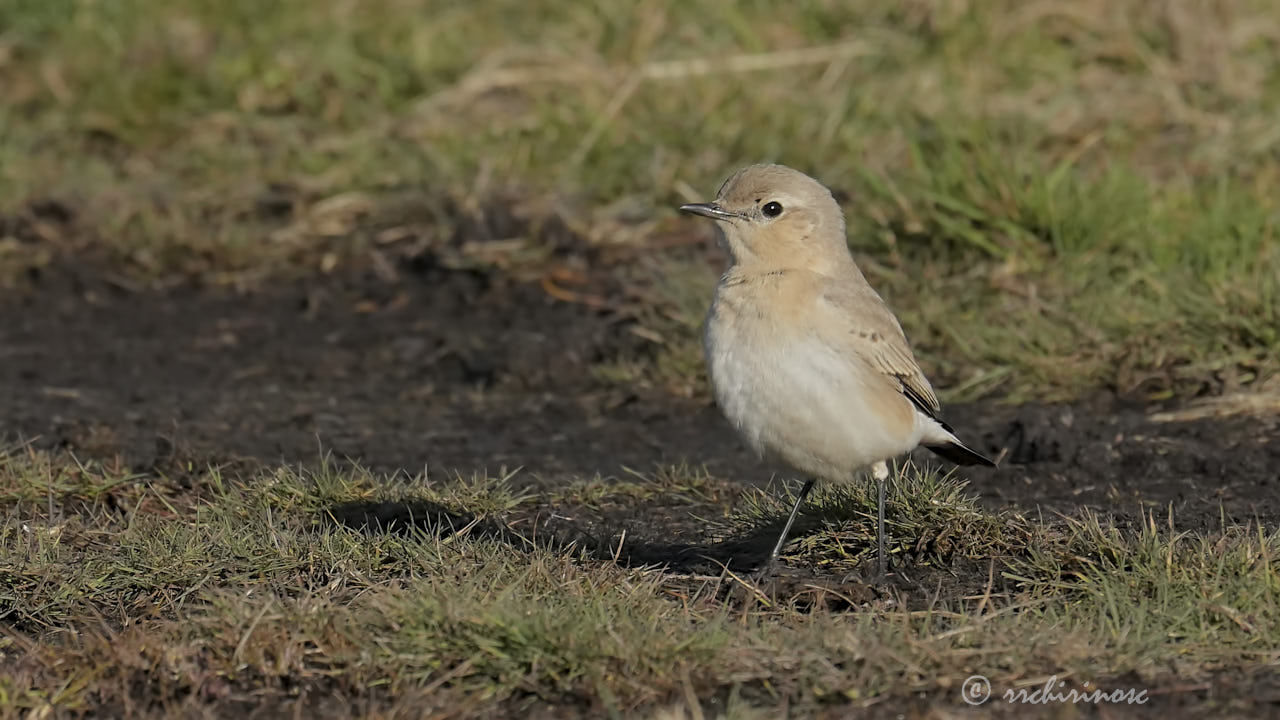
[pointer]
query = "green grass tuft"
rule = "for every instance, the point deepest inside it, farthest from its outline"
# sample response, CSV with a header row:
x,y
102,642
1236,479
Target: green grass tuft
x,y
929,518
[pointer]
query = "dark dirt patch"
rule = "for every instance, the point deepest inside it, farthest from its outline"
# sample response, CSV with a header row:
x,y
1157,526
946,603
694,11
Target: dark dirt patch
x,y
1120,463
1116,460
446,369
465,370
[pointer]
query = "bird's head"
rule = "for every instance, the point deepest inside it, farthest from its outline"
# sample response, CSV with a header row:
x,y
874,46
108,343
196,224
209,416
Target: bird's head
x,y
773,216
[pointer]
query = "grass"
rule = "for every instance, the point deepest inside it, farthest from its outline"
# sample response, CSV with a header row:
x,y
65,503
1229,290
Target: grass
x,y
929,518
678,483
1099,178
148,594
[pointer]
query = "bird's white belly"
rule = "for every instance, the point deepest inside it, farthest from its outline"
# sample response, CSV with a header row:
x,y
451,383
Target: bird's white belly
x,y
802,402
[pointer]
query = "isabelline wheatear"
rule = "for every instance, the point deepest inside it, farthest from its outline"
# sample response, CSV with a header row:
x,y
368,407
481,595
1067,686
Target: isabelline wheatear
x,y
805,358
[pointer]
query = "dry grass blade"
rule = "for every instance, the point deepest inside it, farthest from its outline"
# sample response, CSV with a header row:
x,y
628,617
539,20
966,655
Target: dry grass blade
x,y
1244,403
487,80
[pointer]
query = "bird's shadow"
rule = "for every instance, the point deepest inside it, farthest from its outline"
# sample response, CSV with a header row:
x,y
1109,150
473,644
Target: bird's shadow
x,y
742,553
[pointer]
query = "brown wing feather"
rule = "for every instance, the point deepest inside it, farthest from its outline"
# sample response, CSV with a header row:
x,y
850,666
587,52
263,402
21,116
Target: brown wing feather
x,y
875,335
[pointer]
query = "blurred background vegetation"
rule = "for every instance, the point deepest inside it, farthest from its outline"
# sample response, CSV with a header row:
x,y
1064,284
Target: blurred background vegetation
x,y
1057,198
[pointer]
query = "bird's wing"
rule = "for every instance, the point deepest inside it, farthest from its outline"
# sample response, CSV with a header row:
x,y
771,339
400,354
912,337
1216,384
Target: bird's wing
x,y
872,332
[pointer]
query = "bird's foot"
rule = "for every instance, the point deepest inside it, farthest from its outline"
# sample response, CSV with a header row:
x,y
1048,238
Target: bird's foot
x,y
765,572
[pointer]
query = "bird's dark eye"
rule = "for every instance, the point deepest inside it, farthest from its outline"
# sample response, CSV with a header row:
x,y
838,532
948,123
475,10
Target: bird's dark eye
x,y
771,209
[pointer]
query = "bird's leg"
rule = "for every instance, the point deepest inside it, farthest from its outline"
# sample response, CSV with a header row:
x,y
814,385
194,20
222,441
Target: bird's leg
x,y
786,529
880,471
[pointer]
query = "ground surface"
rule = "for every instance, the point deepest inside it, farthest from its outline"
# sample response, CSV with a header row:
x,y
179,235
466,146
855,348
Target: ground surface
x,y
467,371
471,373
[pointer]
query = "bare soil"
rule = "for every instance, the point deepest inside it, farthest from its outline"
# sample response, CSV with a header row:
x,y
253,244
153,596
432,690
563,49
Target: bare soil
x,y
462,370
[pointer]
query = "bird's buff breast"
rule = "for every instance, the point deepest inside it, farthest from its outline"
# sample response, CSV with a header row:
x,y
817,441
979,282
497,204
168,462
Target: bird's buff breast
x,y
793,397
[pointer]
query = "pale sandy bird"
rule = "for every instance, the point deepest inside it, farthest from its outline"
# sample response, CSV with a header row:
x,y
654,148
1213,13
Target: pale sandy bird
x,y
805,358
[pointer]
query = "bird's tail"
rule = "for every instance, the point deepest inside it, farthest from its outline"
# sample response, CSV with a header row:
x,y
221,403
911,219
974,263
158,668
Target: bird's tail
x,y
958,453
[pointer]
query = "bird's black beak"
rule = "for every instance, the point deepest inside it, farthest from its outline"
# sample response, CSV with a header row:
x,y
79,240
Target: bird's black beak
x,y
711,210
